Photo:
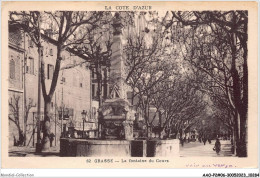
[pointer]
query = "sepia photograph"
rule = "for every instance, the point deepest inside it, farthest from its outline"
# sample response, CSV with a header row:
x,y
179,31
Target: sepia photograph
x,y
131,82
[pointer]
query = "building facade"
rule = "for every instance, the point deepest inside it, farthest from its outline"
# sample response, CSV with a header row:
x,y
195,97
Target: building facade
x,y
72,94
16,85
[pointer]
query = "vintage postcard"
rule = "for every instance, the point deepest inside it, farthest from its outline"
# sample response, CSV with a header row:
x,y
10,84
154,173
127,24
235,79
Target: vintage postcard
x,y
129,85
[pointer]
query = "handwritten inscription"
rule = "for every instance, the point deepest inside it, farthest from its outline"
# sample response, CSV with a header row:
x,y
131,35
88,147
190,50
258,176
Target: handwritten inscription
x,y
195,165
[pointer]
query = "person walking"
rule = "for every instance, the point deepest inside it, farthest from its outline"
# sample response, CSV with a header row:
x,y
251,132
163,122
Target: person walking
x,y
204,140
182,141
200,139
217,146
209,140
51,138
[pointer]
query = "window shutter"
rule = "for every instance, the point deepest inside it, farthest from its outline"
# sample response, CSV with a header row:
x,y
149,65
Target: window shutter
x,y
27,69
93,73
50,70
31,43
51,52
45,71
63,80
93,90
46,53
12,69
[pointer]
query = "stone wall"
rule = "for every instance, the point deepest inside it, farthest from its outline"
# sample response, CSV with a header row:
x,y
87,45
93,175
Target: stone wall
x,y
94,148
124,148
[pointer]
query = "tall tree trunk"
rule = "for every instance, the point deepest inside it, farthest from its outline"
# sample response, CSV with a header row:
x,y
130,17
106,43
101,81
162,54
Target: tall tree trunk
x,y
99,95
20,133
236,134
243,131
47,128
25,122
132,97
147,125
21,137
160,124
234,138
99,82
240,109
47,99
24,134
244,107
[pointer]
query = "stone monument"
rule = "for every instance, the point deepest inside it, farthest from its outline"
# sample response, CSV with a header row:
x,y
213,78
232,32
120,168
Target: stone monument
x,y
118,115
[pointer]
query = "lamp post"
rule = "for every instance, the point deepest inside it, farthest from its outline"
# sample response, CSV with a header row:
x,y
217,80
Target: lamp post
x,y
84,115
33,129
63,113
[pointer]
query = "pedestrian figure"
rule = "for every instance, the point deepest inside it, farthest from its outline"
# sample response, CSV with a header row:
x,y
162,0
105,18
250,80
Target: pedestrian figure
x,y
51,138
121,133
182,141
15,142
209,140
217,146
199,139
21,139
204,141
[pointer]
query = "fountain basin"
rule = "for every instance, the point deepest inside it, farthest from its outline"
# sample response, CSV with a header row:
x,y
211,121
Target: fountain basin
x,y
70,147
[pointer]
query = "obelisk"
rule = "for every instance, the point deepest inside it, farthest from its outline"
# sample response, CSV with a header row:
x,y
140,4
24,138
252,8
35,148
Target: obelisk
x,y
117,112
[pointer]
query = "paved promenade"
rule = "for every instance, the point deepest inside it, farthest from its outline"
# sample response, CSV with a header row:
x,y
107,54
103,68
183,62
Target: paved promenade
x,y
17,151
199,149
192,149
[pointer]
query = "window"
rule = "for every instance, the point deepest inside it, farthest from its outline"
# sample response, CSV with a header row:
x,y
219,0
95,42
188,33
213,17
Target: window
x,y
104,90
50,71
31,43
46,51
93,74
12,68
30,66
80,85
11,100
51,52
104,73
63,80
94,113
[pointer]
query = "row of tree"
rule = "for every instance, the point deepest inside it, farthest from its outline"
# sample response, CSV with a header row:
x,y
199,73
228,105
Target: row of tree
x,y
178,64
215,44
